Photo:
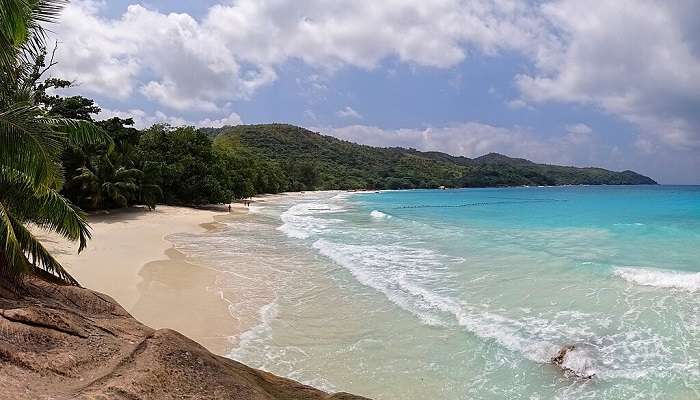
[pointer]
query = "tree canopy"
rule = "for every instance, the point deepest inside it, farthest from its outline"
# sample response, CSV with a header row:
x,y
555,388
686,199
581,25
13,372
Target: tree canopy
x,y
315,161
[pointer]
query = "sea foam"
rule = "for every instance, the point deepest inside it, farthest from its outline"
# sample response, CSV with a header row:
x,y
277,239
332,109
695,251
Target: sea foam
x,y
301,220
379,215
385,267
660,278
409,269
415,280
405,274
247,339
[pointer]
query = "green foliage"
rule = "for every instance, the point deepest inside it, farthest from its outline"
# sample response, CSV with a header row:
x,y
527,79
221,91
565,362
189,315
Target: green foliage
x,y
23,201
109,176
314,161
108,186
31,144
247,175
184,164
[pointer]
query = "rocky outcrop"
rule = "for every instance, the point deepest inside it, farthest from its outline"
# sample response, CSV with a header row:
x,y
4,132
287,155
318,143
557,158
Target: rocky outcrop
x,y
60,342
572,363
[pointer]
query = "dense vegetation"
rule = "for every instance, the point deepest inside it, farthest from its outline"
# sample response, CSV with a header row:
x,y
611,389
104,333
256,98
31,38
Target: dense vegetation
x,y
314,161
32,142
188,166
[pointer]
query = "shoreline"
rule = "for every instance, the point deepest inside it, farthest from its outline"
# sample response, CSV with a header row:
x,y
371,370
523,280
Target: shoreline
x,y
130,259
247,288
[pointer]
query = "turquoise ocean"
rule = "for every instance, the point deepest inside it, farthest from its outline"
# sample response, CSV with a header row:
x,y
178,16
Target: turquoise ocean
x,y
468,294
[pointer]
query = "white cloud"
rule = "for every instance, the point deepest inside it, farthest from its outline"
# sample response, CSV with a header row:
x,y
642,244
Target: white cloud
x,y
166,93
171,59
578,134
362,33
518,104
184,63
348,112
473,139
310,114
639,60
142,119
579,128
230,120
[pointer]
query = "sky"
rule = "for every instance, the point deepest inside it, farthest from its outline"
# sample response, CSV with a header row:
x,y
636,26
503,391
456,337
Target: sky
x,y
614,84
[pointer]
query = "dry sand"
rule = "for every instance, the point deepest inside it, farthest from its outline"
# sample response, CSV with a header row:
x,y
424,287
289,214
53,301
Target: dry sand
x,y
130,259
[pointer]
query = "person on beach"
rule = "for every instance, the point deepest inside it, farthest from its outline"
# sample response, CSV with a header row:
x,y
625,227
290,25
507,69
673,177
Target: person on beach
x,y
229,208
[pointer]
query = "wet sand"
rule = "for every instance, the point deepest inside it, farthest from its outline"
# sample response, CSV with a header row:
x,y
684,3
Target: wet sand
x,y
130,259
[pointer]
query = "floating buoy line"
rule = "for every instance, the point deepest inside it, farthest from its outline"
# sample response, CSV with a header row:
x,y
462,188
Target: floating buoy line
x,y
480,203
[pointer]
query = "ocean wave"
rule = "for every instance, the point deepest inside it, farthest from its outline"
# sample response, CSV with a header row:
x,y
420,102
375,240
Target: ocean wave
x,y
386,268
416,281
379,215
403,275
660,278
256,347
402,267
342,196
301,221
625,354
508,333
248,339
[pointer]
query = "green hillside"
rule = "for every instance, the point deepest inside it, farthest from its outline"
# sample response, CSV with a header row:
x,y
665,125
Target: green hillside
x,y
311,160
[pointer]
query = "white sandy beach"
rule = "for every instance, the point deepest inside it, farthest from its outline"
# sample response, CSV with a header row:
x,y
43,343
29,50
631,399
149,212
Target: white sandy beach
x,y
130,259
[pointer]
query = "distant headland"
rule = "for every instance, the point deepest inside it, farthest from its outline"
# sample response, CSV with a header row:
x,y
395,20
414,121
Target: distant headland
x,y
324,162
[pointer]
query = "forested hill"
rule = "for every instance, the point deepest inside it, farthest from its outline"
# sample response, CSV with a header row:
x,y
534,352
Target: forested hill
x,y
312,160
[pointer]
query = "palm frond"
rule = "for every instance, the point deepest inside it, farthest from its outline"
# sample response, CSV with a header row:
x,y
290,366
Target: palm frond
x,y
43,206
79,132
31,144
128,174
10,245
13,14
28,144
126,186
47,11
59,215
22,25
14,29
38,256
85,174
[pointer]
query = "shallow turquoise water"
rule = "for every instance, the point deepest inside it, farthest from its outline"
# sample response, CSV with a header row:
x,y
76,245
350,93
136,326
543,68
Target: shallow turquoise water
x,y
469,293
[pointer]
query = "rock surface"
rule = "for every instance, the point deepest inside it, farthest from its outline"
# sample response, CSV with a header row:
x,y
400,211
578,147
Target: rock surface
x,y
59,342
581,367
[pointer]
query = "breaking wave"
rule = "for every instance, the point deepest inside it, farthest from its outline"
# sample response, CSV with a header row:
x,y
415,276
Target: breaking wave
x,y
379,215
301,222
659,278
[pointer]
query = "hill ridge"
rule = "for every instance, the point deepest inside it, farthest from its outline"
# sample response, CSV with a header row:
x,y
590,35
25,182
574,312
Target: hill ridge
x,y
333,163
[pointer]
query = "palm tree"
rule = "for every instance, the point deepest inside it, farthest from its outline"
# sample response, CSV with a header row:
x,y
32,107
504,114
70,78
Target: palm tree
x,y
31,143
108,176
105,186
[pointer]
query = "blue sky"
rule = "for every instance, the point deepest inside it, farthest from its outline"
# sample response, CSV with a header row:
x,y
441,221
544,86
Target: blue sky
x,y
552,81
